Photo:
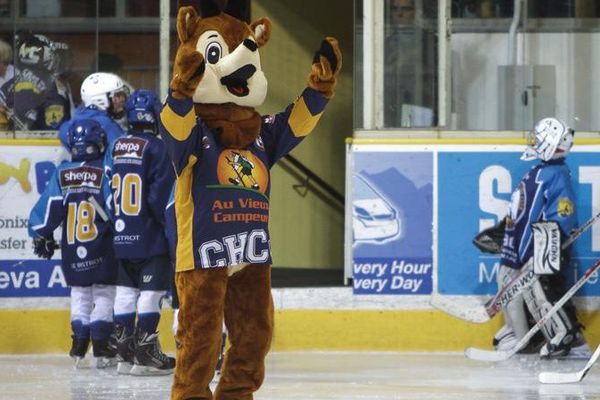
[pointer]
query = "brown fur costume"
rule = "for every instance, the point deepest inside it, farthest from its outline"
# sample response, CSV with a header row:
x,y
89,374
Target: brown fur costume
x,y
207,295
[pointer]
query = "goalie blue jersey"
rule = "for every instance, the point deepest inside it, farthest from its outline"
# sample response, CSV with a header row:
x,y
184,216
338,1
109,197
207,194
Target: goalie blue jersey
x,y
544,194
221,198
86,243
140,176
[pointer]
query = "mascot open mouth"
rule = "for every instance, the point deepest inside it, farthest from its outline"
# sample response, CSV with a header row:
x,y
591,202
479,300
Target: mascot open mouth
x,y
239,89
237,81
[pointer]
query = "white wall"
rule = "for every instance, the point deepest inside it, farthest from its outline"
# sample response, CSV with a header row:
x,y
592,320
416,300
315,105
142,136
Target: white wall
x,y
576,56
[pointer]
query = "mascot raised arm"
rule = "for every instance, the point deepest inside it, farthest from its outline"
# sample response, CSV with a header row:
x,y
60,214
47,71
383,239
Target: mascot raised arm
x,y
222,151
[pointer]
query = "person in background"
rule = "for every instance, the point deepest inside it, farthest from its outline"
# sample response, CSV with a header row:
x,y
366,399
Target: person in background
x,y
7,71
140,176
88,260
31,98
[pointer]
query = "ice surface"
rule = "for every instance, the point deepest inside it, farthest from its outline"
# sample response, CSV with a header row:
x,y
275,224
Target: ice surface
x,y
315,376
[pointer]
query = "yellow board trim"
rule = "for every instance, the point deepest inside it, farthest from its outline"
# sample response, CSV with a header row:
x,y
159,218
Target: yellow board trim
x,y
301,120
29,142
439,141
184,215
180,128
49,331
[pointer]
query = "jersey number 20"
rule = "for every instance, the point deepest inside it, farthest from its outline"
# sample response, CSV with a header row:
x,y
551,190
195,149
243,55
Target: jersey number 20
x,y
127,194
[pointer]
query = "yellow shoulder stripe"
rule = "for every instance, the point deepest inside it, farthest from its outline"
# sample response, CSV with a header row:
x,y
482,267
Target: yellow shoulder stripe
x,y
177,126
184,212
301,120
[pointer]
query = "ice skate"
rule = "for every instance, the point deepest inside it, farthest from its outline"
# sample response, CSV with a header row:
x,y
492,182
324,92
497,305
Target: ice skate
x,y
569,347
125,349
105,354
79,348
148,357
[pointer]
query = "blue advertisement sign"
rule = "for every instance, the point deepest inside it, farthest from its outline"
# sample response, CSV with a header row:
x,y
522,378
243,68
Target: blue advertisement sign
x,y
392,213
32,278
474,190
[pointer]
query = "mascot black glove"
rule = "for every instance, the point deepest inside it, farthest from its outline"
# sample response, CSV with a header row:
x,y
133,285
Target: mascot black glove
x,y
327,63
44,247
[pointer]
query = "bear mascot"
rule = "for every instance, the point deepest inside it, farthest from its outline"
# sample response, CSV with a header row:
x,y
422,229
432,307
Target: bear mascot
x,y
222,151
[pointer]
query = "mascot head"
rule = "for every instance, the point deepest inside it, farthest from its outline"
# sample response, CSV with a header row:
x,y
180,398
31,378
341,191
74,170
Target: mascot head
x,y
230,48
218,66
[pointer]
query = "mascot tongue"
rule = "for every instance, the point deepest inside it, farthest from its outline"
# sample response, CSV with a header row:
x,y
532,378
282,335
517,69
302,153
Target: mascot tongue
x,y
237,127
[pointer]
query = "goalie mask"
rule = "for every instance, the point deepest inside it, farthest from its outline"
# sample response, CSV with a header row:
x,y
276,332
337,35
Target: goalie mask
x,y
550,139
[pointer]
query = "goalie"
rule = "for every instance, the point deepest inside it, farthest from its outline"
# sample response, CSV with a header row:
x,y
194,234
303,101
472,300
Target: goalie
x,y
541,213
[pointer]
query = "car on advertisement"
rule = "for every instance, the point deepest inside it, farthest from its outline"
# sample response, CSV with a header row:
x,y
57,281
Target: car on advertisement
x,y
374,219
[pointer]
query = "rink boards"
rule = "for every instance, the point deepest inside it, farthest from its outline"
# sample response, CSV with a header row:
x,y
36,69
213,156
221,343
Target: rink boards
x,y
447,185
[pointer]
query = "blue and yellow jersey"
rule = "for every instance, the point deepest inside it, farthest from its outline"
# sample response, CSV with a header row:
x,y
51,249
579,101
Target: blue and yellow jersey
x,y
171,225
140,177
86,243
33,100
221,197
544,194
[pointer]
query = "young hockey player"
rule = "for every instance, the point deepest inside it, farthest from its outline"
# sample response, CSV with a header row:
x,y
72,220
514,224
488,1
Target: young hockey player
x,y
88,261
97,93
541,214
141,177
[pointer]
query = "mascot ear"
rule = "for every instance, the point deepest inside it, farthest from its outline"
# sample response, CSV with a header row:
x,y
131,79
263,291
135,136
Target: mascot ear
x,y
262,31
186,23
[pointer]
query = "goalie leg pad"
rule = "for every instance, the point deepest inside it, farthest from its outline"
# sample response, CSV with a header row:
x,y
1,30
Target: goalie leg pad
x,y
514,312
561,330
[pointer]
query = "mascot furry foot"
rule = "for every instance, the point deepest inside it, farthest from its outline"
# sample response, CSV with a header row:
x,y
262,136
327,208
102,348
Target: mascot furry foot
x,y
222,151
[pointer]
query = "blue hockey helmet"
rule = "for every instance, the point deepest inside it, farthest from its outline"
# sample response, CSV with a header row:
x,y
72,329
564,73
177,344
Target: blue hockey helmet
x,y
143,110
87,140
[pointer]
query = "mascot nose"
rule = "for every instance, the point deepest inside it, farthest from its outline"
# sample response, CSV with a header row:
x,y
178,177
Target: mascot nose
x,y
239,76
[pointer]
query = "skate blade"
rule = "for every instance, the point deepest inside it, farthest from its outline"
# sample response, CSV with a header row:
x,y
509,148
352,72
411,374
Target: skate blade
x,y
105,362
124,368
143,370
80,363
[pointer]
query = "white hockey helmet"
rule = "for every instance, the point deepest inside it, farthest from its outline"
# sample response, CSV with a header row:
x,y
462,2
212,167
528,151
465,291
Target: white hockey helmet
x,y
550,139
99,88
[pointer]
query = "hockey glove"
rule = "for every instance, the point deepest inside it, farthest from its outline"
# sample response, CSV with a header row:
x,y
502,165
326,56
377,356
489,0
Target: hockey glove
x,y
490,240
44,247
327,63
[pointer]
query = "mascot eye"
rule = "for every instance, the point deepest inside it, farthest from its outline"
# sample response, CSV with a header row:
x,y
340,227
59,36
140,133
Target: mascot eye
x,y
213,53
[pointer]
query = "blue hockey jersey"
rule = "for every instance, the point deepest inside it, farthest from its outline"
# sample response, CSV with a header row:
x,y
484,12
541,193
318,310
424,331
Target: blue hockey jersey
x,y
86,244
33,100
222,195
112,129
544,194
140,176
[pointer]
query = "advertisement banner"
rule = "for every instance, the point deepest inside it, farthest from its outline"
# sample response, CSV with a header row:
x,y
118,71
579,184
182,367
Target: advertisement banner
x,y
24,173
410,202
474,192
392,215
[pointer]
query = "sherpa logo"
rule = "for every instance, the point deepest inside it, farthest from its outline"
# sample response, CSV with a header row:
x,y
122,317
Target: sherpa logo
x,y
81,176
129,147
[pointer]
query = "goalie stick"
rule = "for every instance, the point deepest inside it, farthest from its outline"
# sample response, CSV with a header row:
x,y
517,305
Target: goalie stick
x,y
524,278
569,377
495,355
